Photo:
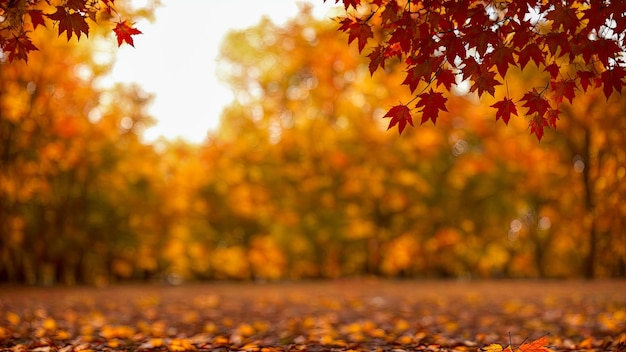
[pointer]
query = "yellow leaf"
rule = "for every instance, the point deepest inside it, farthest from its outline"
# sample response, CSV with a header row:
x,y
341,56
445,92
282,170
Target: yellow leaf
x,y
246,330
378,333
62,335
49,324
209,328
156,342
405,340
221,340
178,345
13,318
494,347
326,340
250,347
402,325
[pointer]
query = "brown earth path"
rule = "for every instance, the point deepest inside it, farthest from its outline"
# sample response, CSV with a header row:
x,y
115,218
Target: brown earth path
x,y
341,315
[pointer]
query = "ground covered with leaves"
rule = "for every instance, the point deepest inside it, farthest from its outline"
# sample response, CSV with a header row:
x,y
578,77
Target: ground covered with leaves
x,y
345,315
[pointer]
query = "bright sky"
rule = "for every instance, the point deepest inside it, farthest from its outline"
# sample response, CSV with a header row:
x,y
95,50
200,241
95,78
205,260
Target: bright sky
x,y
175,59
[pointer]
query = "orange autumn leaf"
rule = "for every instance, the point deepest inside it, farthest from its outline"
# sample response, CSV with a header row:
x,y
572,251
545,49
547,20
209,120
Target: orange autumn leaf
x,y
537,345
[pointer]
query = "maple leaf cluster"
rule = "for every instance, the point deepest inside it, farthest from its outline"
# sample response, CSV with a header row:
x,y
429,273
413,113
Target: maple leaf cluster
x,y
578,45
18,18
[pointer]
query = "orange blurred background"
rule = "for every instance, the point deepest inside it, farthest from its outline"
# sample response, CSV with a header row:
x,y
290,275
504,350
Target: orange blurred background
x,y
302,179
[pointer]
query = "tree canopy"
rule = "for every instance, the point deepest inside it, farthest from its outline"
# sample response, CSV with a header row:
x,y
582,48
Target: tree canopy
x,y
576,45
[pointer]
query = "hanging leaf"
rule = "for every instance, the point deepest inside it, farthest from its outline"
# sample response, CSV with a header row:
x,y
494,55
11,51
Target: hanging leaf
x,y
70,21
124,33
505,107
400,115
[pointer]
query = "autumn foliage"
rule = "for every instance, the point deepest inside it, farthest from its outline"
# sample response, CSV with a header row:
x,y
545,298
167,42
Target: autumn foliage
x,y
575,45
349,315
302,179
20,18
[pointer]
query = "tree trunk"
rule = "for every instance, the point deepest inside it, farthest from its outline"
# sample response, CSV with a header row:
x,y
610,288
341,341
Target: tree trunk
x,y
590,261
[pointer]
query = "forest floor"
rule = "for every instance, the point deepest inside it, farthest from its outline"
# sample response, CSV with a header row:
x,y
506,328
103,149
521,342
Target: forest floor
x,y
343,315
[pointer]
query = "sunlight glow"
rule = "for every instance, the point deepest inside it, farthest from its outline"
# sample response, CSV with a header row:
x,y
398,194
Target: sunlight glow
x,y
516,225
579,164
544,223
175,59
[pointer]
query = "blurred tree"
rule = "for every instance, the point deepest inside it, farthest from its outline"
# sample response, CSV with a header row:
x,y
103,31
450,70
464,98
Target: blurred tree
x,y
347,198
34,148
592,151
313,116
63,188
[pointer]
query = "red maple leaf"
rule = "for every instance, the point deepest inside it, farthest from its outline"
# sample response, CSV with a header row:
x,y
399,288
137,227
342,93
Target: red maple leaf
x,y
124,32
403,38
400,115
19,47
537,123
431,102
445,77
390,13
482,39
70,22
36,18
77,5
554,41
531,51
563,88
552,115
364,32
587,78
502,56
521,35
377,59
461,11
348,3
536,103
553,69
613,79
595,15
505,107
454,47
418,73
357,30
606,50
471,42
470,69
563,17
485,82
